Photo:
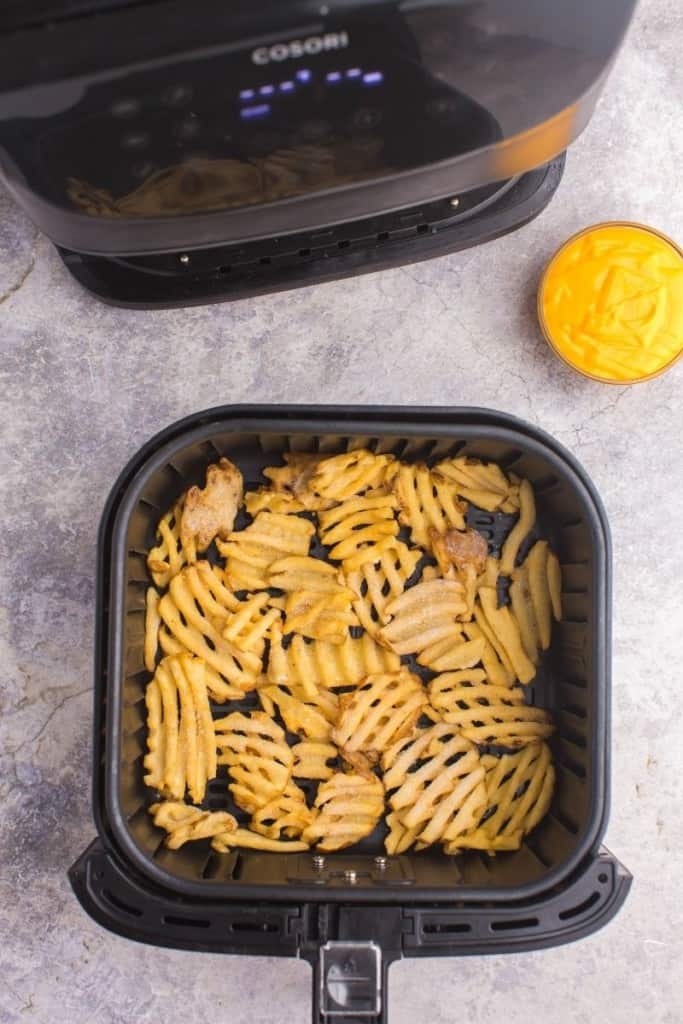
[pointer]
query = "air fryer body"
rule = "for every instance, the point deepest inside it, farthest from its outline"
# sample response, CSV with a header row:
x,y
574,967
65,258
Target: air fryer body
x,y
137,128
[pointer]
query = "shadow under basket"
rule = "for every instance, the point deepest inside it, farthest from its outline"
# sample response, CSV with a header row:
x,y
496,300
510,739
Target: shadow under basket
x,y
354,912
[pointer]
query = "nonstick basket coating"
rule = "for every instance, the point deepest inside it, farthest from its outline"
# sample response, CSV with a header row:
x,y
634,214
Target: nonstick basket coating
x,y
573,681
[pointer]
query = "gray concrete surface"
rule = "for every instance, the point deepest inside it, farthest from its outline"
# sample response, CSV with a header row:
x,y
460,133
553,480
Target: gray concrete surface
x,y
84,385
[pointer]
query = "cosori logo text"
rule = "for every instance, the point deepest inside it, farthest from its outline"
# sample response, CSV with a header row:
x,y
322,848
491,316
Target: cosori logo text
x,y
309,47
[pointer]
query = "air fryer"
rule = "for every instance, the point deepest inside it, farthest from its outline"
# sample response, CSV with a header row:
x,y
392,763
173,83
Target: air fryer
x,y
178,156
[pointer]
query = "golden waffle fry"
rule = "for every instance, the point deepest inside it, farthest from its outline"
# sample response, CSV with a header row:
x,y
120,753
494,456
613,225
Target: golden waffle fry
x,y
482,484
248,840
377,712
527,518
522,608
258,758
305,573
320,663
497,672
294,478
536,565
351,530
452,653
285,816
180,731
506,630
519,789
349,807
265,500
340,477
379,580
185,824
301,716
251,622
194,611
310,759
320,616
435,783
503,719
399,838
444,690
210,512
427,501
554,573
169,555
152,623
422,615
249,553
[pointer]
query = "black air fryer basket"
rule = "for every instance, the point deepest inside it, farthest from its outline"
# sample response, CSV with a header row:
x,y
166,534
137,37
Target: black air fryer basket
x,y
352,913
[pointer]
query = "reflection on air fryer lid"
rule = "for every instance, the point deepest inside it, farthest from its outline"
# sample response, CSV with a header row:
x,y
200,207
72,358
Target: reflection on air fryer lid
x,y
204,184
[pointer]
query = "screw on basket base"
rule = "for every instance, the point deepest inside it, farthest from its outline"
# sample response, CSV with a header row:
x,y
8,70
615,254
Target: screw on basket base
x,y
381,863
318,862
350,877
184,258
454,202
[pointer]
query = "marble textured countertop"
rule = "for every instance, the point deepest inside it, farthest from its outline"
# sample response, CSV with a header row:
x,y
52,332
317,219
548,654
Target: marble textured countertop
x,y
84,385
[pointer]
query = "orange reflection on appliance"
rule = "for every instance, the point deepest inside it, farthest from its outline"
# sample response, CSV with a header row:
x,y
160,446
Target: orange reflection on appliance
x,y
611,302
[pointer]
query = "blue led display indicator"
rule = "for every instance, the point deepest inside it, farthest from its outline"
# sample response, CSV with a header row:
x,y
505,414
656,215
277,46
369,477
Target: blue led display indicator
x,y
304,75
373,78
287,87
266,90
247,94
333,77
251,113
354,73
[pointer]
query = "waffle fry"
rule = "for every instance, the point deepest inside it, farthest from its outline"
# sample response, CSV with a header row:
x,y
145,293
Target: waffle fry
x,y
500,718
311,759
250,623
435,783
379,580
427,501
496,671
169,555
310,574
527,518
444,690
294,478
265,500
452,653
299,715
320,663
554,574
258,758
349,807
248,840
379,711
482,484
186,824
320,616
249,553
522,608
284,817
341,477
194,611
519,788
506,630
423,615
355,528
152,623
399,838
536,565
210,512
181,753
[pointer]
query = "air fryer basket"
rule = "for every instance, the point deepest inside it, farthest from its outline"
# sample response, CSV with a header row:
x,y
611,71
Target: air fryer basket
x,y
352,914
573,681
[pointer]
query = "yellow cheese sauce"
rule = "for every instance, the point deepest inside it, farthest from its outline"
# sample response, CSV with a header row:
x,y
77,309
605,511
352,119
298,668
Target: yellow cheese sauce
x,y
611,302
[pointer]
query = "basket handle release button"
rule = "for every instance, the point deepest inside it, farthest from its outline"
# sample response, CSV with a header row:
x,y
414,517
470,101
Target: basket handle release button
x,y
350,981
